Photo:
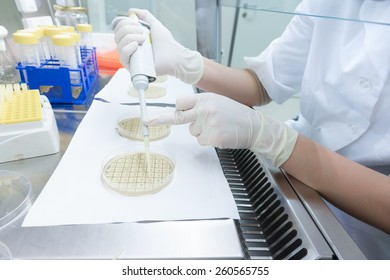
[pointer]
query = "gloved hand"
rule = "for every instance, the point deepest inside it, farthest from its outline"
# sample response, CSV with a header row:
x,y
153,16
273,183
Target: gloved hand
x,y
222,122
170,57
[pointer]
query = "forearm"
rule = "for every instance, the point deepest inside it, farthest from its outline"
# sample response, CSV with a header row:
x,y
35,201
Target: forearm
x,y
238,84
354,188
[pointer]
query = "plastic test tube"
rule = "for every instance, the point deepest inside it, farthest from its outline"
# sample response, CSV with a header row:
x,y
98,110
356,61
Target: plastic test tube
x,y
65,50
28,48
39,32
86,45
76,36
51,31
85,31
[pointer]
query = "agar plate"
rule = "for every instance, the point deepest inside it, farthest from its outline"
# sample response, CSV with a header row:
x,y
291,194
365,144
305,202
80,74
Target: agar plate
x,y
5,253
152,92
131,127
128,172
15,196
161,79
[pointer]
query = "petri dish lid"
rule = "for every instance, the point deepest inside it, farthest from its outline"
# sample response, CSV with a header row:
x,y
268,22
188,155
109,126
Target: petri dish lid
x,y
15,196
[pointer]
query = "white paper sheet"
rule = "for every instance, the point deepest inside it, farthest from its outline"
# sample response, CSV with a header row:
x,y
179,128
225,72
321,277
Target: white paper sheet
x,y
75,193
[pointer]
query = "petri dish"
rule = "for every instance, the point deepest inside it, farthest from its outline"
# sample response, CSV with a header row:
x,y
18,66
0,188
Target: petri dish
x,y
152,92
15,196
131,127
5,253
127,171
161,79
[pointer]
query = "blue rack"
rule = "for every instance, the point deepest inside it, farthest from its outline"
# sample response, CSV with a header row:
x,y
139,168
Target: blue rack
x,y
54,81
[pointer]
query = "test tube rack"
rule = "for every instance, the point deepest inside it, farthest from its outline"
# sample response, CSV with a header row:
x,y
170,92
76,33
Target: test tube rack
x,y
54,81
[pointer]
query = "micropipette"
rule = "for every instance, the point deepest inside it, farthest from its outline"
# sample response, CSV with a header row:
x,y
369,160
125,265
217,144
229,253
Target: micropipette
x,y
142,70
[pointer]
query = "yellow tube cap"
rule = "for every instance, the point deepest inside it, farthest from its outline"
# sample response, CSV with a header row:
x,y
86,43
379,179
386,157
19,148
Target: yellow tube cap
x,y
63,40
76,36
25,38
84,27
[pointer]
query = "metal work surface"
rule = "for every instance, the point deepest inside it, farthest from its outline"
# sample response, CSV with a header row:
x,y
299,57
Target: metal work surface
x,y
184,239
274,223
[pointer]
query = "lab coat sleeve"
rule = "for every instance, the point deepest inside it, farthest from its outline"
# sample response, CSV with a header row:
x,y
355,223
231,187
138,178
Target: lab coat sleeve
x,y
281,66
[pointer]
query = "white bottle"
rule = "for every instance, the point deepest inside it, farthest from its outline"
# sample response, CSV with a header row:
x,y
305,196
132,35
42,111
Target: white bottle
x,y
8,72
64,45
70,15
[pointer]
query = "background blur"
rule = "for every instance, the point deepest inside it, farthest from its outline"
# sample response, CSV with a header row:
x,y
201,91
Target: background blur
x,y
245,31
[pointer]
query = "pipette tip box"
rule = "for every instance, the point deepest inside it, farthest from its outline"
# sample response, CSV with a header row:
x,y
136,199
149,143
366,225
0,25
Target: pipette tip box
x,y
27,124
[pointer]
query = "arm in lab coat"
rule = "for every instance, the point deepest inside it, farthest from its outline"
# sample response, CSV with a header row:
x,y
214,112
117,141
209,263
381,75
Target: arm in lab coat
x,y
221,122
241,85
280,66
355,189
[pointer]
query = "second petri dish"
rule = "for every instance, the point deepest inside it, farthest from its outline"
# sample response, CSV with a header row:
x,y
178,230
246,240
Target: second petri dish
x,y
15,196
153,92
161,79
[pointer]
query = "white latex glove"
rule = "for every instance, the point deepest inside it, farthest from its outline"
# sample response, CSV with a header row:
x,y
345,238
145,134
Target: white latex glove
x,y
170,57
222,122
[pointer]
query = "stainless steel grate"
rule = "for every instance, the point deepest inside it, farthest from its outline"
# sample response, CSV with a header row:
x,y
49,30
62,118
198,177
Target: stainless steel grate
x,y
269,228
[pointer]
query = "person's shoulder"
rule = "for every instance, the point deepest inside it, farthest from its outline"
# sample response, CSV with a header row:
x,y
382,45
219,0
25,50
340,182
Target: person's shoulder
x,y
309,6
329,8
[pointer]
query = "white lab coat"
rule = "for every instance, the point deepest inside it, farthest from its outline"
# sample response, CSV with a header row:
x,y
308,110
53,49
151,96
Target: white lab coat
x,y
340,68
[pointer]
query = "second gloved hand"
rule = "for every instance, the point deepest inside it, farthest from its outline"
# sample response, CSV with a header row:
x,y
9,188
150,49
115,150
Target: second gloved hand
x,y
170,57
222,122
